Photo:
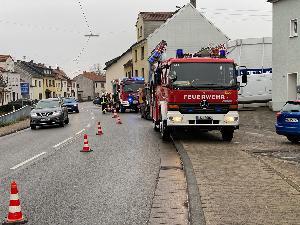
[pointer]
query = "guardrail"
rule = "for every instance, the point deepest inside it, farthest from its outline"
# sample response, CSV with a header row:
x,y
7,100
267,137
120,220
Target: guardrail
x,y
15,115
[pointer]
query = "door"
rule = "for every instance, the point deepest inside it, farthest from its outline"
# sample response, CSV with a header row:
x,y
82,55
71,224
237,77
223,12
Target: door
x,y
292,86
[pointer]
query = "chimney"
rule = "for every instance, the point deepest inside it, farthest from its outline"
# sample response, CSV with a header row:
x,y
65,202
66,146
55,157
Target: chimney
x,y
194,3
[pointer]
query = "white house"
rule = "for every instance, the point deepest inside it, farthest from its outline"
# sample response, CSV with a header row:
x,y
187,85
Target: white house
x,y
286,52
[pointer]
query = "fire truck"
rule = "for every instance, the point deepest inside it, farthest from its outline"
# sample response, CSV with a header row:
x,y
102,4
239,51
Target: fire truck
x,y
195,91
125,93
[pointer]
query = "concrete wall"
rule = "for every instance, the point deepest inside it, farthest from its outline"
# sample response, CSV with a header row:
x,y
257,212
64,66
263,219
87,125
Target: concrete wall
x,y
188,30
254,53
286,52
116,71
86,88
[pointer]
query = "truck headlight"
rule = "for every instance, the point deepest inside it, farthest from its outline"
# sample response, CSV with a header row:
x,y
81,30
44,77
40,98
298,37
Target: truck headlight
x,y
231,119
176,119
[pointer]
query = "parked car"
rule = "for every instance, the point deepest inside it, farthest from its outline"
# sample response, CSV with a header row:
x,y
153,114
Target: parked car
x,y
97,101
288,121
49,112
71,104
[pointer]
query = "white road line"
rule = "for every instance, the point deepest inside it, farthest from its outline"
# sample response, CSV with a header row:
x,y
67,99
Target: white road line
x,y
257,134
89,125
55,146
79,132
28,160
93,118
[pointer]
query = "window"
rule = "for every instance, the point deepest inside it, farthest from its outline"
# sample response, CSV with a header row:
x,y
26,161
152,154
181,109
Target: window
x,y
35,83
53,83
142,53
136,55
294,28
143,72
40,84
77,85
138,32
141,31
102,85
96,85
46,83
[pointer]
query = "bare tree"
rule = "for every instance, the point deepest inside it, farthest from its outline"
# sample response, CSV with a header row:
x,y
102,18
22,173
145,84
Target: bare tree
x,y
98,69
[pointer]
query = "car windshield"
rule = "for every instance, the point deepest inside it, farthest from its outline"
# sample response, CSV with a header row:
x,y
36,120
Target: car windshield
x,y
133,87
69,100
203,74
291,107
47,104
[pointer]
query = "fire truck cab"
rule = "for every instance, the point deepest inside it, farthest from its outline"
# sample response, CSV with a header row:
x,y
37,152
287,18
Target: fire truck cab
x,y
199,92
125,92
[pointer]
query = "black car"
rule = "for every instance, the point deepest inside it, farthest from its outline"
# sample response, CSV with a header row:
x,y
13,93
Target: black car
x,y
49,112
71,104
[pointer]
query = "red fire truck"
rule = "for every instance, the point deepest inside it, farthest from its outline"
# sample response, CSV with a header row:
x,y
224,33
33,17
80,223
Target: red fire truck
x,y
199,92
125,93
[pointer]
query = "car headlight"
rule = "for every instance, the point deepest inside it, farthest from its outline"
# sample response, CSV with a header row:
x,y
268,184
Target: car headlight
x,y
57,113
176,119
231,119
33,114
75,104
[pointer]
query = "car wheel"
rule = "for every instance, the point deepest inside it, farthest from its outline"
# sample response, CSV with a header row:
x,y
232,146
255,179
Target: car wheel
x,y
67,121
165,132
156,126
33,127
227,135
62,124
293,139
77,111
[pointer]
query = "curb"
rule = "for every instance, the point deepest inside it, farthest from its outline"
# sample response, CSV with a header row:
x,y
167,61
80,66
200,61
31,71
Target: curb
x,y
196,216
14,131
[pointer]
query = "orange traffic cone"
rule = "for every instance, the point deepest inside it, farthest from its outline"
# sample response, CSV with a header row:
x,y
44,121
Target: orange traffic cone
x,y
86,147
100,132
15,215
115,114
118,120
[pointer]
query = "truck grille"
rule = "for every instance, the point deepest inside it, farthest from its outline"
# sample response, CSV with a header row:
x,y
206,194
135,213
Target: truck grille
x,y
197,109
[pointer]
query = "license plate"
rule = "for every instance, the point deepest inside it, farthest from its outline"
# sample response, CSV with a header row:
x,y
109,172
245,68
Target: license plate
x,y
45,119
203,118
291,120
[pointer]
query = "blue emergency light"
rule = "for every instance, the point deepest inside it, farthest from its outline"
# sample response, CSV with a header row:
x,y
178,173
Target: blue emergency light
x,y
222,53
179,53
130,99
138,78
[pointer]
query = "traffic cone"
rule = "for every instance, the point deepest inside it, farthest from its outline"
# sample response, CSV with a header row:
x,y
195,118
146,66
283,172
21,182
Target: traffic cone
x,y
118,120
115,114
86,147
15,215
100,132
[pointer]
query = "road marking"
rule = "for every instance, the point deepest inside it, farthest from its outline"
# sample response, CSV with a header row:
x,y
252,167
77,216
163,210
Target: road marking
x,y
79,132
89,125
28,160
257,134
55,146
93,118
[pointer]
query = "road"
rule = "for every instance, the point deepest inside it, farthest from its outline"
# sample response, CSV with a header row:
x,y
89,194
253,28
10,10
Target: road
x,y
58,184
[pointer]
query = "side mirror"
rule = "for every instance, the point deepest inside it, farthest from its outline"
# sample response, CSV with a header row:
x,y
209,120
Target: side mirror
x,y
244,79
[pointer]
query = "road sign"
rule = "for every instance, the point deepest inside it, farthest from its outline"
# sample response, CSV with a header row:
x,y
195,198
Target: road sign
x,y
24,88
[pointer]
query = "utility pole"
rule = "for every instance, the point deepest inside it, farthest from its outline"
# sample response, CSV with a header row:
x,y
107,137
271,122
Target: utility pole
x,y
194,3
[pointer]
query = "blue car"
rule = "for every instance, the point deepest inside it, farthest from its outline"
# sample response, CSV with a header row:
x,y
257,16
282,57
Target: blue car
x,y
71,104
288,121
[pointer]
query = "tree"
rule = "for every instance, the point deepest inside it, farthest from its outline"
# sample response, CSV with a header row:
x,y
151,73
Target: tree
x,y
97,68
2,87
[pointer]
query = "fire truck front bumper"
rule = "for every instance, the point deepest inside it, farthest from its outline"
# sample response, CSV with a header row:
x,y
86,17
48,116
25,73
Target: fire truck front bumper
x,y
207,121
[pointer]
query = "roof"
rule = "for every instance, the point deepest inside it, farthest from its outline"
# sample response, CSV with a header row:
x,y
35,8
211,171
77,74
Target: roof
x,y
200,60
156,16
93,76
60,74
129,63
115,60
3,58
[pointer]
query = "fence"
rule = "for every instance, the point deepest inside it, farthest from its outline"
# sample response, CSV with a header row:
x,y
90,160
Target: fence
x,y
16,115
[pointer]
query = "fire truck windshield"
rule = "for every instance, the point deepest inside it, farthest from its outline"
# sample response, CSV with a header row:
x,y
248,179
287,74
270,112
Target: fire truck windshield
x,y
203,74
132,87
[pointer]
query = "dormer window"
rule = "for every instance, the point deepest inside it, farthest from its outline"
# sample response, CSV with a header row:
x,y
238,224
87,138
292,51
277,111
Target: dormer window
x,y
294,28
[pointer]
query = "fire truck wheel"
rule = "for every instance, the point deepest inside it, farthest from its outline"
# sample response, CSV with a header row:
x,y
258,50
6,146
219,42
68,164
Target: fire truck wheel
x,y
227,135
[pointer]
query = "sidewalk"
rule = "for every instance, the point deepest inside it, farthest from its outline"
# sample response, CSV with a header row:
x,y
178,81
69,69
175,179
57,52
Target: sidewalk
x,y
14,127
238,182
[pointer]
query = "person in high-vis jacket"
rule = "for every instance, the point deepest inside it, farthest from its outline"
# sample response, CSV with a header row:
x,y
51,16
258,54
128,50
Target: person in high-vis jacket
x,y
103,101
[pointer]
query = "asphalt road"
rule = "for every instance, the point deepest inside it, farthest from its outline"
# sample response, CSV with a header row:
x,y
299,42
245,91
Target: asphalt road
x,y
58,184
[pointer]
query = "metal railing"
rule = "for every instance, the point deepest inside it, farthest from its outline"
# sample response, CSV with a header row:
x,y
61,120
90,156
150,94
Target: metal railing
x,y
15,115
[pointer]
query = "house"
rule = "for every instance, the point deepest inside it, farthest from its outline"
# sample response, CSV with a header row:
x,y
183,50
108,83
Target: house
x,y
118,67
72,89
2,87
286,52
11,79
89,85
61,82
185,29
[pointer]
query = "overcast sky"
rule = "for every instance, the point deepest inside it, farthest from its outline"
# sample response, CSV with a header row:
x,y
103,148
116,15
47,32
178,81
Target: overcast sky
x,y
52,31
